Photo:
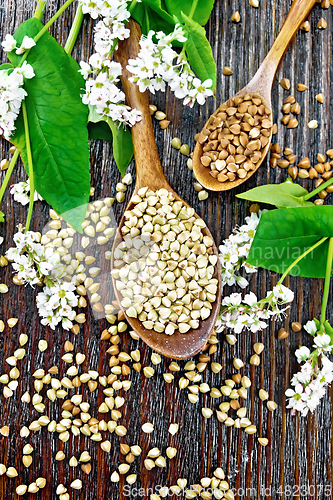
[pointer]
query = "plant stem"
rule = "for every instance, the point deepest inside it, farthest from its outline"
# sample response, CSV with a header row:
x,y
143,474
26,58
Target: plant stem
x,y
115,41
327,285
132,6
40,9
8,174
318,189
147,19
31,172
300,258
194,6
45,28
51,21
73,34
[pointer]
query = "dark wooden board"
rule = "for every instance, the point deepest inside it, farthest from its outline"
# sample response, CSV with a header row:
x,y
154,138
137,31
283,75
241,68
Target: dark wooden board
x,y
298,459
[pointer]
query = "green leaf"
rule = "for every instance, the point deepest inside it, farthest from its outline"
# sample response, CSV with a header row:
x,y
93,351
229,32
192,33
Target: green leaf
x,y
198,51
121,139
99,131
122,146
200,15
283,195
58,126
284,235
156,6
151,16
2,217
317,323
6,66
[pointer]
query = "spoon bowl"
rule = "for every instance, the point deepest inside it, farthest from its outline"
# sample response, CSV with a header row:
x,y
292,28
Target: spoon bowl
x,y
260,86
202,173
149,173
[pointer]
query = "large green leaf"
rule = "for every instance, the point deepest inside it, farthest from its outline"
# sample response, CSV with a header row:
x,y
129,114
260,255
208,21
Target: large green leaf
x,y
58,125
201,13
121,139
283,195
285,234
198,51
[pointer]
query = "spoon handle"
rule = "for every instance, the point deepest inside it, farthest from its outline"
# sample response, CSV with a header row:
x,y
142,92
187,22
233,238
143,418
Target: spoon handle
x,y
147,162
264,77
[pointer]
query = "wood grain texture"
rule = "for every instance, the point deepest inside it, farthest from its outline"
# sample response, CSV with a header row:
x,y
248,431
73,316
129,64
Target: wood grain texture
x,y
300,450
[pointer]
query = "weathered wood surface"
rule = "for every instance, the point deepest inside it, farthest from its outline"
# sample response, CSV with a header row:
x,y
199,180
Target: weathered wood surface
x,y
298,459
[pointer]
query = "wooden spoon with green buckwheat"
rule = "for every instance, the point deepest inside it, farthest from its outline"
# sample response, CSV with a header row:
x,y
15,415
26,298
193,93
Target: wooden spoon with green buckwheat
x,y
236,138
149,174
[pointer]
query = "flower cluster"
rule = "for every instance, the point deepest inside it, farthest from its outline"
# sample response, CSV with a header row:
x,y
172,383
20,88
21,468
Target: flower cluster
x,y
55,305
11,96
310,383
36,264
250,313
158,64
114,14
104,95
101,73
234,251
155,65
21,192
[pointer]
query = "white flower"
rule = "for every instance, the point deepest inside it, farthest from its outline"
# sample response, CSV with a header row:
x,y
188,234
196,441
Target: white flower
x,y
32,261
283,294
256,325
9,43
50,320
11,96
85,69
27,43
200,91
234,251
66,323
250,299
311,327
21,192
27,70
241,282
302,354
304,376
234,300
297,392
322,341
55,305
327,369
311,382
158,64
178,34
107,99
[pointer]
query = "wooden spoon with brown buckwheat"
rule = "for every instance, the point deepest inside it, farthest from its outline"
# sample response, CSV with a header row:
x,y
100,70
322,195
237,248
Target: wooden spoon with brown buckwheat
x,y
236,138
